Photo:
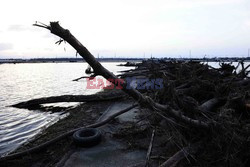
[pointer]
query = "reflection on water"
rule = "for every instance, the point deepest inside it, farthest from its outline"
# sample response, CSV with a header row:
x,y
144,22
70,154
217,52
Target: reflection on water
x,y
21,82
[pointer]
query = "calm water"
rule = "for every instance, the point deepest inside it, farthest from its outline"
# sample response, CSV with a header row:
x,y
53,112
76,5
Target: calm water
x,y
21,82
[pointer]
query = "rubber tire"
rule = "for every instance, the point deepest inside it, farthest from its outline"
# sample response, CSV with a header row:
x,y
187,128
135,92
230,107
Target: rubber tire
x,y
87,137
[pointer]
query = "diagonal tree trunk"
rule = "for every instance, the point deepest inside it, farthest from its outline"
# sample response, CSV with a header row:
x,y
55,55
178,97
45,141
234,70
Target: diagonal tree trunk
x,y
65,34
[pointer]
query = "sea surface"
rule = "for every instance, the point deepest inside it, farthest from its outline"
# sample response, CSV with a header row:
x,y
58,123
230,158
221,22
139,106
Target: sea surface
x,y
22,82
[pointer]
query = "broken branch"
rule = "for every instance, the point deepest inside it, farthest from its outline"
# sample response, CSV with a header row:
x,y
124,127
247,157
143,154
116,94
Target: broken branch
x,y
65,34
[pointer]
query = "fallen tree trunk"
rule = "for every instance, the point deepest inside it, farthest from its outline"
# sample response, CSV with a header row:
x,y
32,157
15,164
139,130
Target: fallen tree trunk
x,y
70,98
145,101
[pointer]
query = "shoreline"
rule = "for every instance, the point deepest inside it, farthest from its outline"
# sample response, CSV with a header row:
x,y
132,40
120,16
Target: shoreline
x,y
79,60
82,115
64,60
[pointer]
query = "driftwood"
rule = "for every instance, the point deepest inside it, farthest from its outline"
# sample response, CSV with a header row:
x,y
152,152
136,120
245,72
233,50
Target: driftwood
x,y
70,98
146,72
65,34
150,148
211,104
77,79
180,155
64,135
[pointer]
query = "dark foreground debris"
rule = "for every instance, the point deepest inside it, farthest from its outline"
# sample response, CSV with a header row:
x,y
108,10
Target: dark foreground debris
x,y
202,93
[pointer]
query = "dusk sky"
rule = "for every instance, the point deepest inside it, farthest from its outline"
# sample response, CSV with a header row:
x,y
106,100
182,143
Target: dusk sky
x,y
127,28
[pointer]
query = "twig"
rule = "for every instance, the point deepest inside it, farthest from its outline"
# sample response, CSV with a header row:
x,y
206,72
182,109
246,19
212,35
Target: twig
x,y
180,155
39,24
77,79
150,149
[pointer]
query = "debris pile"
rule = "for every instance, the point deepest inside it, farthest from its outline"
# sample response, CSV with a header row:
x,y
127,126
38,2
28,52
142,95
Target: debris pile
x,y
203,93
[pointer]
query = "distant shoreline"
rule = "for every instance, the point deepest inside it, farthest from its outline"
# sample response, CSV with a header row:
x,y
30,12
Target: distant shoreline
x,y
80,60
63,60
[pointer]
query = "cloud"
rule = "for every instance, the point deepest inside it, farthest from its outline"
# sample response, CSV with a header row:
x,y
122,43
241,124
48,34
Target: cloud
x,y
247,23
211,2
131,27
16,27
19,28
5,46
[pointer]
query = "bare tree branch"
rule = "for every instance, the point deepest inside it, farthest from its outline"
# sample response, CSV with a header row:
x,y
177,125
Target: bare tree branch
x,y
65,34
180,155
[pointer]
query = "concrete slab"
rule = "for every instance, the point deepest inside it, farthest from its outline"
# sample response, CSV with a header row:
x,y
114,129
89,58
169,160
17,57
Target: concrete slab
x,y
129,116
109,153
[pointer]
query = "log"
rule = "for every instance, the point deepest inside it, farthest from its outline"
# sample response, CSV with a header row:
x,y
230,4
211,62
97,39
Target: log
x,y
69,98
244,82
211,104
